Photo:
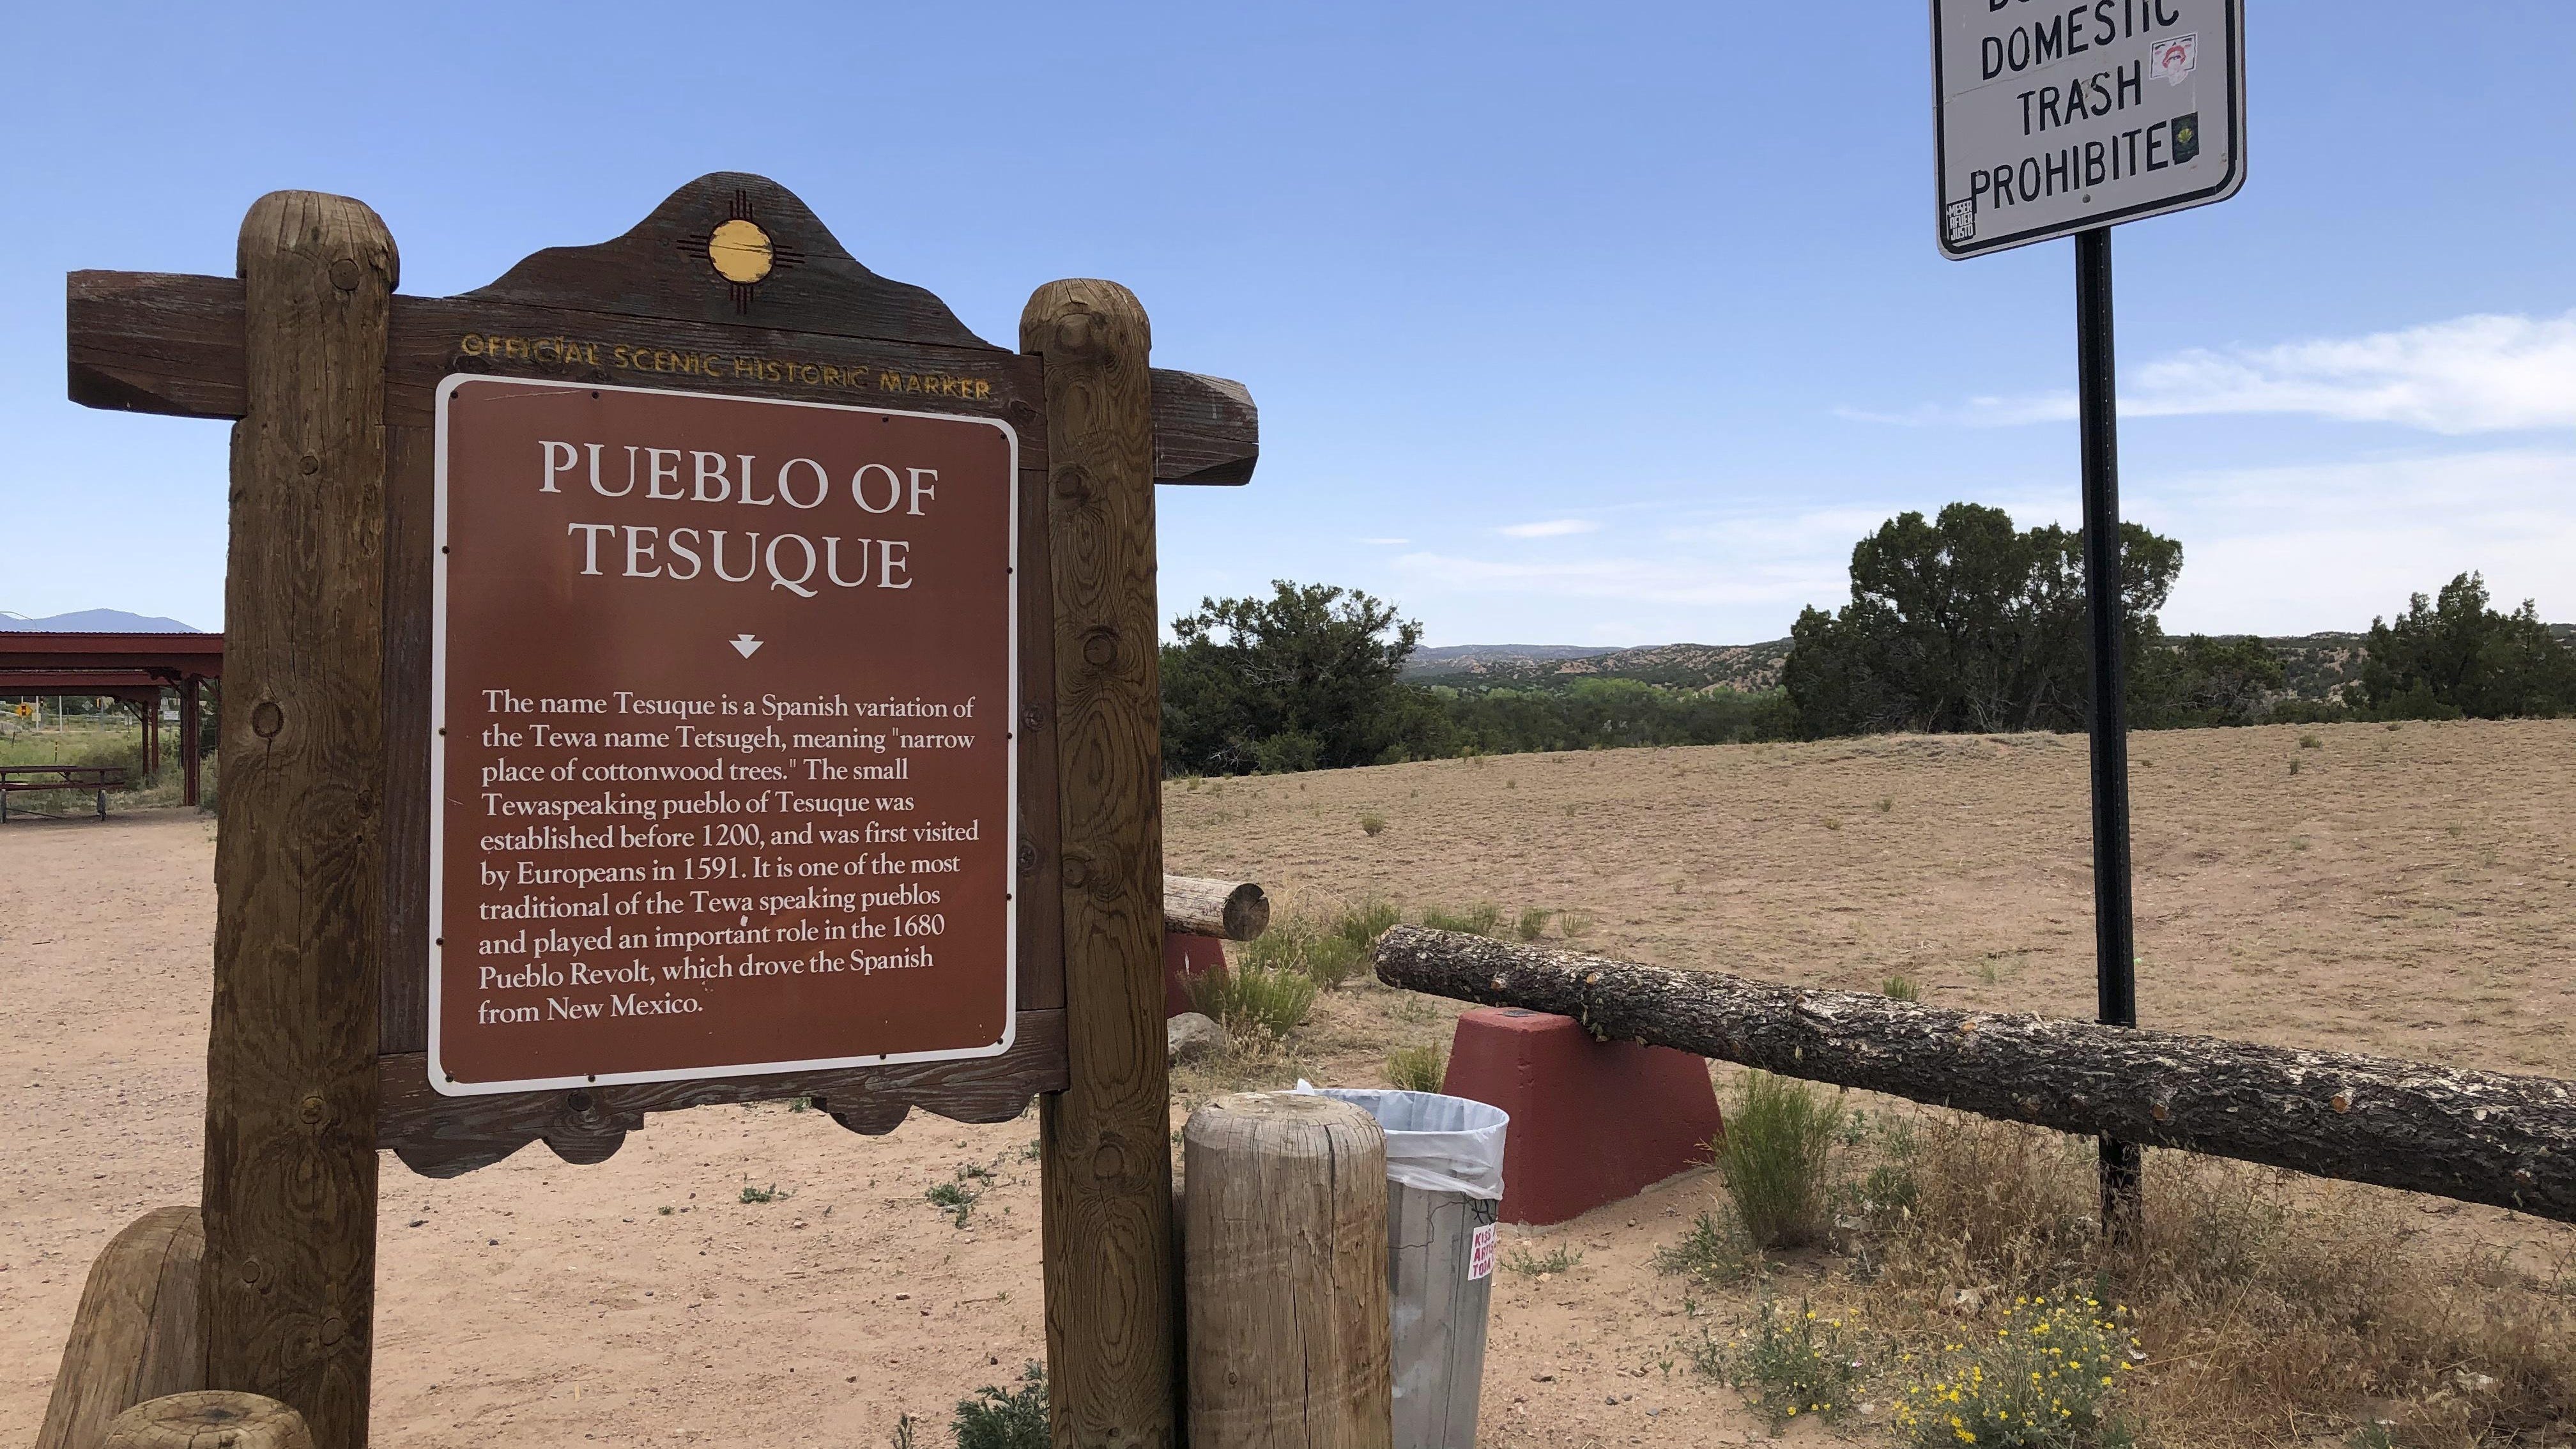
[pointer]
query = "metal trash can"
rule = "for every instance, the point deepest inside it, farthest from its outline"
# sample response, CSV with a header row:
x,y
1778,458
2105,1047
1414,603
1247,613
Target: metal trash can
x,y
1444,1169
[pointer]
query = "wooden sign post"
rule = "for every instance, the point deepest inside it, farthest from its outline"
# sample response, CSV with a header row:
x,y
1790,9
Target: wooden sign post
x,y
951,536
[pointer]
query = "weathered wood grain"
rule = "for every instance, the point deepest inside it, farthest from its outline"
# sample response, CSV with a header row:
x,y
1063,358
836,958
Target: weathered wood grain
x,y
1206,429
134,1336
1038,879
1232,910
287,1304
160,343
2485,1137
1106,1138
1287,1274
402,990
441,1136
209,1419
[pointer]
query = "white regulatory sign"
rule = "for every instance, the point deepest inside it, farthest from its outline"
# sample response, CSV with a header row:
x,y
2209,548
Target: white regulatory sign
x,y
2053,117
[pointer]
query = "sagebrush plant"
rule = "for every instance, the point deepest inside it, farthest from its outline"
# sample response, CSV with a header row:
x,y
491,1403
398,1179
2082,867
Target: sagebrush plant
x,y
1901,988
996,1418
1532,923
1794,1362
1371,822
1775,1156
1253,1000
2047,1378
1418,1068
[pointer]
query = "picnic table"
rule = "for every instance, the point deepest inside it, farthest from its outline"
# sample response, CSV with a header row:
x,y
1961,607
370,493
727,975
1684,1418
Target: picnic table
x,y
16,779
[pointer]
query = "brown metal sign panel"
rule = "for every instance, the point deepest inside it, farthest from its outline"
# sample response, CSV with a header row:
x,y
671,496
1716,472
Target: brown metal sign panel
x,y
724,767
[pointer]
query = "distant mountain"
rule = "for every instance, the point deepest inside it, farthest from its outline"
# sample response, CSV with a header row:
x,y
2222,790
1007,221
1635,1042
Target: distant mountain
x,y
2317,666
1462,656
97,621
1748,667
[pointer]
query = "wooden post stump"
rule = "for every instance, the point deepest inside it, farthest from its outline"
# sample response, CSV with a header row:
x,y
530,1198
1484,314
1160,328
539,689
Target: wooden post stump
x,y
209,1419
1287,1275
134,1336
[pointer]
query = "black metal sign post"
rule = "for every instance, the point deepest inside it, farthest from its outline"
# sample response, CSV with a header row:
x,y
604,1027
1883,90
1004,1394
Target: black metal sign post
x,y
2065,125
2115,942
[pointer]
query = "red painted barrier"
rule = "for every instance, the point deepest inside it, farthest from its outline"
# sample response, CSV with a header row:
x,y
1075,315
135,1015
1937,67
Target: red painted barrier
x,y
1592,1121
1184,957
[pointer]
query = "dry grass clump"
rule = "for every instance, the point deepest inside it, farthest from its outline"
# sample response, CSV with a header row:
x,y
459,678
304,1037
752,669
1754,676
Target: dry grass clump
x,y
2270,1307
1779,1135
1418,1068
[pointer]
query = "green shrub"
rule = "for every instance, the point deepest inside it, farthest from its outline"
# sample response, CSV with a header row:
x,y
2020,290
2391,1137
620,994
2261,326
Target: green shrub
x,y
1362,924
955,1199
1796,1363
2046,1380
1254,1000
1715,1250
1774,1158
1573,924
1479,919
1418,1068
1531,924
1326,957
995,1419
1371,822
1901,988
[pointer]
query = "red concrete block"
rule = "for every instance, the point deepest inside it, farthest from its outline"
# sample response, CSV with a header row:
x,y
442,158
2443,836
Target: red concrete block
x,y
1592,1121
1185,957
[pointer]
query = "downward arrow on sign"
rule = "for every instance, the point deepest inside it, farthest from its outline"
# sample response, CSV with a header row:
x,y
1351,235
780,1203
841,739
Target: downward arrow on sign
x,y
744,645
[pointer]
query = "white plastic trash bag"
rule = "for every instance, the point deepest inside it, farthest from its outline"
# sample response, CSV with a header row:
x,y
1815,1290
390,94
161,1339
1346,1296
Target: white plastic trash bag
x,y
1435,1143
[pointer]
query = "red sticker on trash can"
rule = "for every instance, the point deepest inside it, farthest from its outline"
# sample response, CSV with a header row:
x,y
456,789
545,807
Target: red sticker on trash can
x,y
1480,1253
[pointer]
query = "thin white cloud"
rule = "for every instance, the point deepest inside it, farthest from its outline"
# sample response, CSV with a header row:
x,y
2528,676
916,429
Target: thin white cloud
x,y
2279,549
1551,528
2476,374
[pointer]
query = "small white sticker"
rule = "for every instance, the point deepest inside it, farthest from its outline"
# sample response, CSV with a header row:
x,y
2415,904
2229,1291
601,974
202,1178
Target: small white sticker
x,y
1480,1253
1959,221
2175,59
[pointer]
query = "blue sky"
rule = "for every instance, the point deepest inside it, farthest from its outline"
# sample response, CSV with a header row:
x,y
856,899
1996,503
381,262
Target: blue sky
x,y
1568,324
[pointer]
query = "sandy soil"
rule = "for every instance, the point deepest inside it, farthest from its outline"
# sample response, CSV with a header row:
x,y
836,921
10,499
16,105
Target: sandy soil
x,y
2406,892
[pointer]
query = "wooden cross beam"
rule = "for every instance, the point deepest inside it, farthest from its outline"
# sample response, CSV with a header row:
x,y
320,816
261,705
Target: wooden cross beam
x,y
161,342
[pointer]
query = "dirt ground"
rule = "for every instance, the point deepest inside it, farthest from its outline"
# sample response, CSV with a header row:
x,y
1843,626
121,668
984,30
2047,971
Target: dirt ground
x,y
2403,891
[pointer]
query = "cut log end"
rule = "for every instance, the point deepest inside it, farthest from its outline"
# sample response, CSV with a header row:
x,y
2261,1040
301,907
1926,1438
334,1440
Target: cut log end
x,y
1234,910
206,1419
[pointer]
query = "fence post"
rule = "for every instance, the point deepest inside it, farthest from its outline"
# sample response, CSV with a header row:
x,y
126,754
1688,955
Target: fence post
x,y
1106,1139
134,1336
290,1183
1286,1209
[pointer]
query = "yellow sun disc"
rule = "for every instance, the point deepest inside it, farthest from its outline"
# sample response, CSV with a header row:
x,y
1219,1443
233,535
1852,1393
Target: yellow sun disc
x,y
740,252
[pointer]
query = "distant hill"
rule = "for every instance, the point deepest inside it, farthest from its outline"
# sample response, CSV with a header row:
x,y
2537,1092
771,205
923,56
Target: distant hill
x,y
1463,656
97,621
1747,667
2318,666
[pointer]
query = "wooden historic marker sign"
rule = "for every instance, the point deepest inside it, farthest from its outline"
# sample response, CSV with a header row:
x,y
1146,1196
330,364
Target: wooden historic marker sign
x,y
759,600
723,771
